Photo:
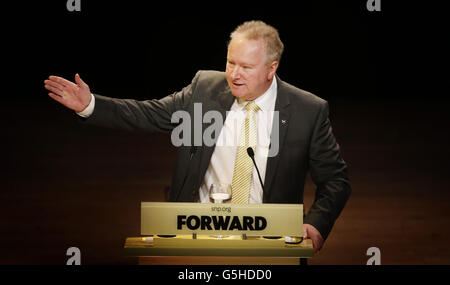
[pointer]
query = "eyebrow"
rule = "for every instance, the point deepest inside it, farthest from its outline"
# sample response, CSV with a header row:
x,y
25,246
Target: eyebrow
x,y
243,64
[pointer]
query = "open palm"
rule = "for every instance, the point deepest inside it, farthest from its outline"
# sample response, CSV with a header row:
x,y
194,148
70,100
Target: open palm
x,y
75,96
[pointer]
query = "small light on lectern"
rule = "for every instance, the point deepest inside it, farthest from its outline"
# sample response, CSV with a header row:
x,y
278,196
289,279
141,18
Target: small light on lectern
x,y
147,239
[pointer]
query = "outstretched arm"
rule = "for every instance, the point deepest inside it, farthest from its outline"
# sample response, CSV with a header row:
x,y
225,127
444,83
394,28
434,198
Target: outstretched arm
x,y
127,114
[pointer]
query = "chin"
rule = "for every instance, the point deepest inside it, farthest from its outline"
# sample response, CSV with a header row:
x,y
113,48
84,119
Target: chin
x,y
245,97
239,95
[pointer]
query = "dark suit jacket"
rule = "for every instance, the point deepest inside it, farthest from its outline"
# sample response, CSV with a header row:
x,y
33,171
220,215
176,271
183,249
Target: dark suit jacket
x,y
306,143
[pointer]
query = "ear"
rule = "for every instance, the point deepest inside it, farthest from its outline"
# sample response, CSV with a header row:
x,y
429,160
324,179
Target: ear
x,y
272,70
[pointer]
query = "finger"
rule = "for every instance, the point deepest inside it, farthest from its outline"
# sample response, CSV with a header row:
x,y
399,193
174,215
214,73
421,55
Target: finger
x,y
55,90
60,80
79,81
314,244
54,84
317,244
305,232
55,97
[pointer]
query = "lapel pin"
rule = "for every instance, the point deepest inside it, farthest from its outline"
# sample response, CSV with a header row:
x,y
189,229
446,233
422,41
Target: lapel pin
x,y
283,122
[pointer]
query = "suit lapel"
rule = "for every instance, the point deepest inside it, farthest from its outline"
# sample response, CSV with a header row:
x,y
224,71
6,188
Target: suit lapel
x,y
281,106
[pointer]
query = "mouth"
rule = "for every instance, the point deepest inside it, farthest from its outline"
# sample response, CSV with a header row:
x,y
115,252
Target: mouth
x,y
237,85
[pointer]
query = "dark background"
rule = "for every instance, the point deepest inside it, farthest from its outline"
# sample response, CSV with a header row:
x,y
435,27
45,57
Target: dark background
x,y
66,184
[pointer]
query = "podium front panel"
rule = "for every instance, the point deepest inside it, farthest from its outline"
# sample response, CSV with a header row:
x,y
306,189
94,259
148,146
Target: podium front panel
x,y
221,219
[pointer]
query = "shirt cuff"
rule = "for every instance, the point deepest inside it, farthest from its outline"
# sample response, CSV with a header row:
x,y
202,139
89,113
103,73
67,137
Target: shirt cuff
x,y
89,109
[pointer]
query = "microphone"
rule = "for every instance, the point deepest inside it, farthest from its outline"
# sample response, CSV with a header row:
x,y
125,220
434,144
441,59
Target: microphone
x,y
252,156
251,153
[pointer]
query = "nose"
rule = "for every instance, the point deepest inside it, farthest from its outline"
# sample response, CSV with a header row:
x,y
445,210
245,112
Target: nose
x,y
236,73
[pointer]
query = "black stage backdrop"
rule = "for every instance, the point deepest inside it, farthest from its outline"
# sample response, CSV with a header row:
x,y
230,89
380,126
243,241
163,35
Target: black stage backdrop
x,y
65,184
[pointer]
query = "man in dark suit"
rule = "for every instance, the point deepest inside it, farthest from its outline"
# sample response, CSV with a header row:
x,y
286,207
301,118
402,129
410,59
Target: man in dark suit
x,y
291,125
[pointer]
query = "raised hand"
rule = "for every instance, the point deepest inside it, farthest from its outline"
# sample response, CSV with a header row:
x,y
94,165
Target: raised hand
x,y
74,96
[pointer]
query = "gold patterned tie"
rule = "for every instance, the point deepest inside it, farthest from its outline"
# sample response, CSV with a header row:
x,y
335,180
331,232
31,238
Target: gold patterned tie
x,y
243,165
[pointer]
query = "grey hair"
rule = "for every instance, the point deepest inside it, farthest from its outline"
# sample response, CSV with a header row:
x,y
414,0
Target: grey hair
x,y
255,30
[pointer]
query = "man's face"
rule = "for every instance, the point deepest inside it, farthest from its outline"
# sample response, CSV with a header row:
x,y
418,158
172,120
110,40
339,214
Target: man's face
x,y
247,71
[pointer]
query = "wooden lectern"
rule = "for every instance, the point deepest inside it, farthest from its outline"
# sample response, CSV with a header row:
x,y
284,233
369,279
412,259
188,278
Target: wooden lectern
x,y
224,234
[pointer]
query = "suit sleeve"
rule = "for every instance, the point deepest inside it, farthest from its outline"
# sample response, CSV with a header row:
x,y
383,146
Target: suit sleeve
x,y
149,116
329,173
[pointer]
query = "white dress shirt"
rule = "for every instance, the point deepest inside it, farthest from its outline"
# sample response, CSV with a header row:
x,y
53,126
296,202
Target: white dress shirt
x,y
221,166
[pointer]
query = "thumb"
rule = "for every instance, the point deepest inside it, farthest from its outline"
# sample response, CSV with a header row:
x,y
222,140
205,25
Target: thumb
x,y
79,81
305,232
